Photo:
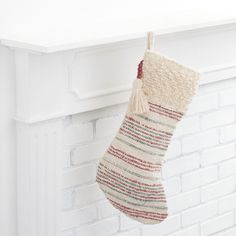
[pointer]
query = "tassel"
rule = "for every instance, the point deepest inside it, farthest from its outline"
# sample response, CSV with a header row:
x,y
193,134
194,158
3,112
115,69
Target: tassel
x,y
138,100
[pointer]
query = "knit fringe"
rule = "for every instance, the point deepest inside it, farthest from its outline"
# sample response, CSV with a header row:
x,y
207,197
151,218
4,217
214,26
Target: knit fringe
x,y
138,101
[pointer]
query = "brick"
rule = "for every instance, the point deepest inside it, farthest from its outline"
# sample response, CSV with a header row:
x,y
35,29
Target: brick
x,y
183,201
67,199
78,175
199,141
230,232
188,125
227,203
199,213
127,223
181,165
228,168
218,189
218,118
217,224
89,152
169,225
203,103
191,231
172,186
108,111
133,232
75,218
228,97
217,87
174,149
100,228
199,178
217,154
87,195
105,209
228,133
108,126
75,134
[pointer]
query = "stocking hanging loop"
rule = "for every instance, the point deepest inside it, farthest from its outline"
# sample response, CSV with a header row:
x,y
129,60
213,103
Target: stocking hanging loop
x,y
150,40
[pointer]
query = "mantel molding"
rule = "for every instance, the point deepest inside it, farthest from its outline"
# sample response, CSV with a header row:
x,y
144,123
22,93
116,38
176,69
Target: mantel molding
x,y
63,83
210,75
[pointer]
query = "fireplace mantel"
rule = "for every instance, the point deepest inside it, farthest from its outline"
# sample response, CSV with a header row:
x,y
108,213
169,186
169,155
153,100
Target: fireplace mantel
x,y
53,82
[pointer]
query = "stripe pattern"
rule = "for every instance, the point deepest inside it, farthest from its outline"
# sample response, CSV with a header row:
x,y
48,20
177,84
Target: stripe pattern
x,y
129,172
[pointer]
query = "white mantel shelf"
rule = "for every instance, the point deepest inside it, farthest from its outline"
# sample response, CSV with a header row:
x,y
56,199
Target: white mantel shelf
x,y
50,42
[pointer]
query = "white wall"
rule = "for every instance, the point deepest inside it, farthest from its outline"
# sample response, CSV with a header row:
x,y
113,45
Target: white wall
x,y
199,175
7,144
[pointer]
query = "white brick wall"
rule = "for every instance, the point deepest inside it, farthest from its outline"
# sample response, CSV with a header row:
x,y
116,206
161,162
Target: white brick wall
x,y
199,175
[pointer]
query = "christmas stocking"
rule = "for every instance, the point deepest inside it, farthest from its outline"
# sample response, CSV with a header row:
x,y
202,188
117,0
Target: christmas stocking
x,y
129,172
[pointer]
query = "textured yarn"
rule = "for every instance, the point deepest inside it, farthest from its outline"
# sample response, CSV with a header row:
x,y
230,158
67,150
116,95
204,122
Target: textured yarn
x,y
129,172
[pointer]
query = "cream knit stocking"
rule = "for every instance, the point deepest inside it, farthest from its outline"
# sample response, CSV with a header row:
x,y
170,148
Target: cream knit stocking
x,y
129,172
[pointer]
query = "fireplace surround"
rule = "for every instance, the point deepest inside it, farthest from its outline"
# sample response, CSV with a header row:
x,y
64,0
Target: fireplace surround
x,y
68,97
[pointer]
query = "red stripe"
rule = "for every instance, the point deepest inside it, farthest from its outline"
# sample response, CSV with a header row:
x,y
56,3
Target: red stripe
x,y
143,139
149,218
139,197
132,162
110,176
144,216
107,182
131,125
166,112
139,140
163,114
136,158
139,215
105,175
157,145
131,180
138,211
164,108
148,127
128,183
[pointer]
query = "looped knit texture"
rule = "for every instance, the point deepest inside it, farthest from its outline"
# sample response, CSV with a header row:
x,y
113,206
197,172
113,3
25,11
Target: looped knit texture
x,y
129,172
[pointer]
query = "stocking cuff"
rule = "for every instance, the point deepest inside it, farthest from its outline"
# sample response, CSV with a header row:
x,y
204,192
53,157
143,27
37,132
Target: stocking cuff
x,y
168,83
